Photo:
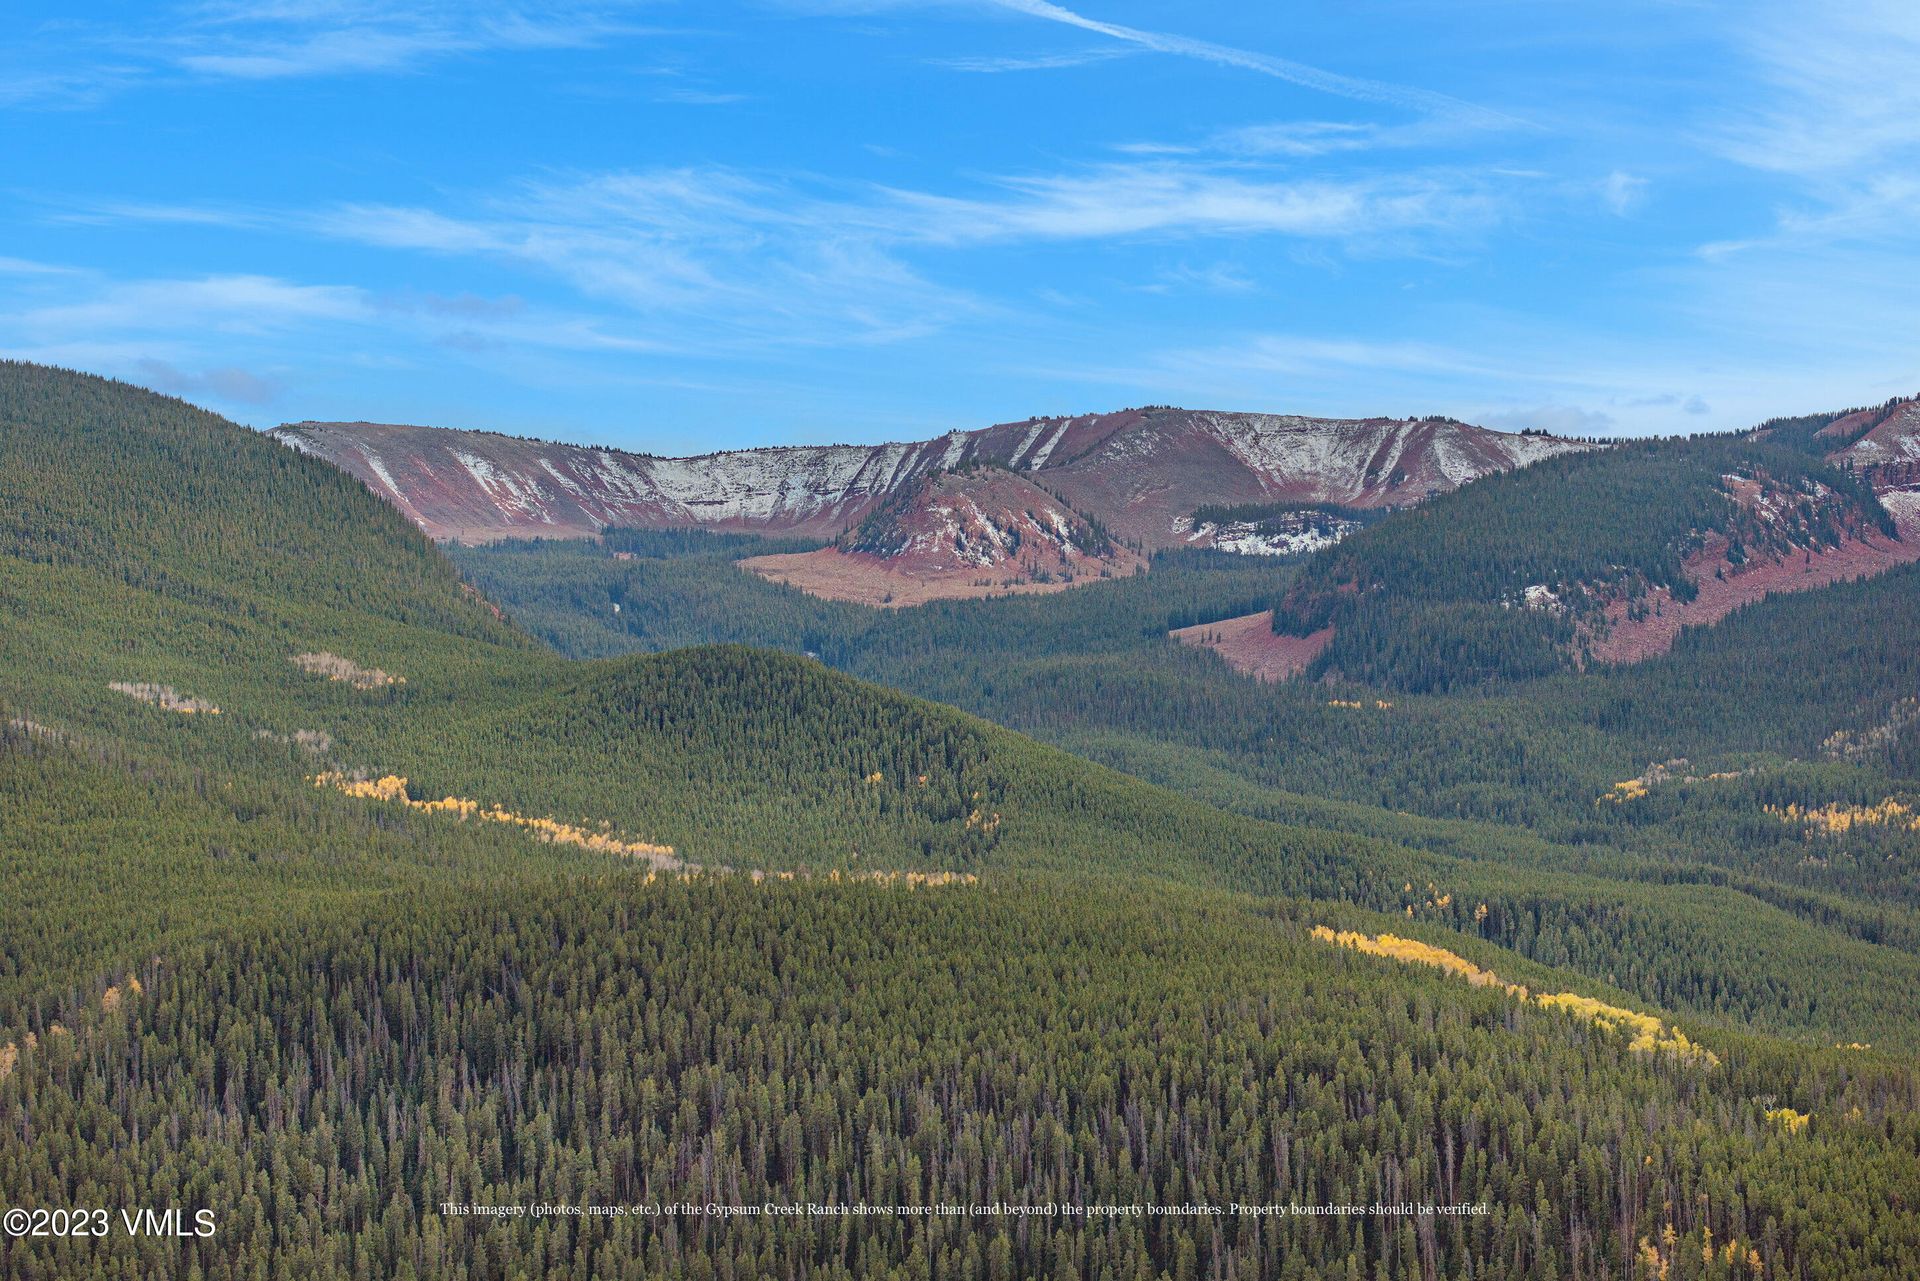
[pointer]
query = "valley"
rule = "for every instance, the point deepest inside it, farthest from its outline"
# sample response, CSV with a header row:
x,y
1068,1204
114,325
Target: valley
x,y
477,831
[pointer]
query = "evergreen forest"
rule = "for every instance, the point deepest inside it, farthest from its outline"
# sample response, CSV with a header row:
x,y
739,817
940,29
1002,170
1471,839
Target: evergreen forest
x,y
357,892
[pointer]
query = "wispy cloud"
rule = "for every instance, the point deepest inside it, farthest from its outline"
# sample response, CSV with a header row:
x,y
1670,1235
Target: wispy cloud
x,y
1561,420
242,41
183,336
26,267
1301,138
1623,192
1514,372
79,86
1037,62
1178,199
1293,140
1838,115
1303,354
1407,97
237,304
1215,278
1874,208
1838,82
724,257
713,257
1410,98
699,97
1082,221
253,42
193,336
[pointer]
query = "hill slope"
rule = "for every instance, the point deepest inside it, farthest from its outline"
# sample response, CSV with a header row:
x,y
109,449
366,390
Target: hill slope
x,y
726,1044
165,497
1604,556
179,586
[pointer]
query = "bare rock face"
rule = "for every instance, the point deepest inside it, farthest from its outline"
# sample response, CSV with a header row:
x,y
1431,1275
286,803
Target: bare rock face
x,y
978,532
471,486
1145,480
1882,444
985,518
1140,473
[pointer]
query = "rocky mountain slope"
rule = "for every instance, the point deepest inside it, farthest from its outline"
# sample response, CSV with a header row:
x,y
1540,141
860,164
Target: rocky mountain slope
x,y
949,534
1141,472
1147,478
1882,444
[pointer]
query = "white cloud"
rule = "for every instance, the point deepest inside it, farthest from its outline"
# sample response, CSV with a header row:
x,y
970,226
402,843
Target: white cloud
x,y
1302,138
1296,354
67,87
23,267
1217,278
719,257
188,336
253,42
1407,97
243,304
1037,62
1623,192
1879,207
699,97
1170,198
1837,86
1515,372
248,41
391,227
1423,100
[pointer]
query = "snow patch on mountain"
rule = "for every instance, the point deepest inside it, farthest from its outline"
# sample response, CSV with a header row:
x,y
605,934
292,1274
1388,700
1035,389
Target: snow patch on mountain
x,y
1290,534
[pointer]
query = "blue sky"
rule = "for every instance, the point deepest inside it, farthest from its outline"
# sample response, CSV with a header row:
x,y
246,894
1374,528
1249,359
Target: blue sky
x,y
675,226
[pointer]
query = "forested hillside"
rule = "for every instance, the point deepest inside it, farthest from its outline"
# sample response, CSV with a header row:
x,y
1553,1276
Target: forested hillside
x,y
611,1044
1514,577
1097,662
332,899
1515,777
164,497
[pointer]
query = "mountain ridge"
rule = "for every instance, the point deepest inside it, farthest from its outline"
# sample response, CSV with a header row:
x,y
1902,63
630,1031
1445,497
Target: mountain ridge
x,y
1603,557
1141,472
